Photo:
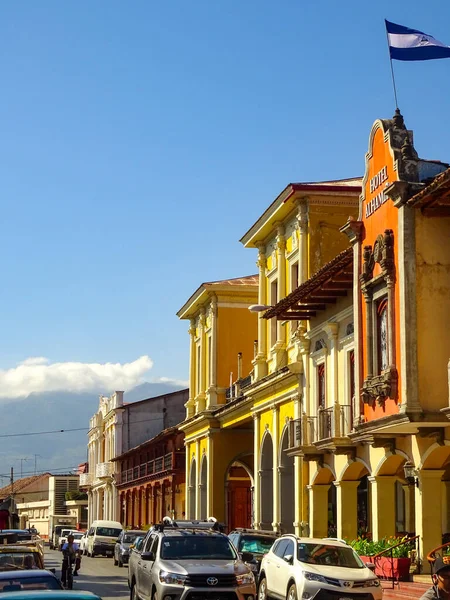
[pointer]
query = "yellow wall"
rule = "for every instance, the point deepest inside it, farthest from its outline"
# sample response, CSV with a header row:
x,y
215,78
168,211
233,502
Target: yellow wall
x,y
326,241
266,419
433,315
236,332
227,446
286,412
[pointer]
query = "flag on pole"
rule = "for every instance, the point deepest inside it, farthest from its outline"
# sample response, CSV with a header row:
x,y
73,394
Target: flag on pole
x,y
411,44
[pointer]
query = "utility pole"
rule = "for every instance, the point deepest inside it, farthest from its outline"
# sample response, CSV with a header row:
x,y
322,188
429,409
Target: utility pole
x,y
35,462
12,504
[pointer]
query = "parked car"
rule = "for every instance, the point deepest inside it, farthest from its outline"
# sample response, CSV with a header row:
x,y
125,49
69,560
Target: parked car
x,y
102,537
186,561
22,537
16,581
302,567
257,542
49,595
135,556
83,542
122,547
20,557
77,535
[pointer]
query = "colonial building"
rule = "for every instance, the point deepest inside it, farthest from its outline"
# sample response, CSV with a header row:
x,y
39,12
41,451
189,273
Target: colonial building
x,y
237,466
150,480
44,500
114,429
222,345
389,472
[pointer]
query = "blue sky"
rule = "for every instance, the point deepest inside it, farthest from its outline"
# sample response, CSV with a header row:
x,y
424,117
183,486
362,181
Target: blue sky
x,y
140,140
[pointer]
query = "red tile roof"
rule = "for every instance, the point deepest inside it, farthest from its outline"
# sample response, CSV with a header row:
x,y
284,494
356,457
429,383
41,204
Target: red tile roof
x,y
21,484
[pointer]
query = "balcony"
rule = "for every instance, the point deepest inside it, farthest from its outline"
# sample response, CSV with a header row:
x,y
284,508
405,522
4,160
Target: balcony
x,y
162,464
310,437
235,391
104,469
86,479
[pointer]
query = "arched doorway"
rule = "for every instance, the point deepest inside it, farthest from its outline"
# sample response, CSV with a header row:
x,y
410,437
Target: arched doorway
x,y
239,496
287,488
266,500
192,489
204,488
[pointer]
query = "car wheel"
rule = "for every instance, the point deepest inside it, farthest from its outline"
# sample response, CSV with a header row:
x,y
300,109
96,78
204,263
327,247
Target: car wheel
x,y
134,594
262,589
92,554
292,593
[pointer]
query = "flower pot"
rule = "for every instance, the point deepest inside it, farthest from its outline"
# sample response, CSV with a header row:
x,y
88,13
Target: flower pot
x,y
397,568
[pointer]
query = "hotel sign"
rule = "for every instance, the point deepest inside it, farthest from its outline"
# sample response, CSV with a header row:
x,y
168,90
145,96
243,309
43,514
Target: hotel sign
x,y
378,183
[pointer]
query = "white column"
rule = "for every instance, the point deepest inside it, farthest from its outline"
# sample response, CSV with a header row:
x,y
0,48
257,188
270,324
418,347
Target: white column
x,y
302,218
212,388
197,479
260,361
276,523
201,397
190,404
256,467
281,250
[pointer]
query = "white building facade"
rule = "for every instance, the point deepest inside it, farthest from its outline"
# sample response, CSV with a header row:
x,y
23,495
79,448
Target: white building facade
x,y
104,444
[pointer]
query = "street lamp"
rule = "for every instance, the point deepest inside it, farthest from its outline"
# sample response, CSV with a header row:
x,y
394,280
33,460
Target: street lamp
x,y
411,473
257,308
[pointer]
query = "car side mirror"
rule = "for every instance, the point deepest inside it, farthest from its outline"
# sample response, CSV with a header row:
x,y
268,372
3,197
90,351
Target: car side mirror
x,y
289,559
52,570
247,556
150,556
370,566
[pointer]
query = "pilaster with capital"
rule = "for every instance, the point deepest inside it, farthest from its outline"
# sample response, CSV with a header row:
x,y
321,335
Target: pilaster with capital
x,y
201,395
190,404
260,360
256,466
303,227
211,392
281,290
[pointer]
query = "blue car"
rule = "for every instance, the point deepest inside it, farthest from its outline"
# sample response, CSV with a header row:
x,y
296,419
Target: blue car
x,y
49,595
32,579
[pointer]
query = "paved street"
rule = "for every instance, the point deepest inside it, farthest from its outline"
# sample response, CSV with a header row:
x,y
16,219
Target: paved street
x,y
97,575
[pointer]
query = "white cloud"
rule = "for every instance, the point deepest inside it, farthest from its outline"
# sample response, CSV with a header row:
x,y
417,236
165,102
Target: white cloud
x,y
181,382
38,374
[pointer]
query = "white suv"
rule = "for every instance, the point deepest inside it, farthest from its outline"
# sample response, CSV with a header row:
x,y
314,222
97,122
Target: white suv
x,y
308,568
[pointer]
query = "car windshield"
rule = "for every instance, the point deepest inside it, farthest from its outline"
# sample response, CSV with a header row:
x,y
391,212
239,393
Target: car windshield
x,y
18,560
16,584
108,531
326,554
129,538
255,545
197,547
77,536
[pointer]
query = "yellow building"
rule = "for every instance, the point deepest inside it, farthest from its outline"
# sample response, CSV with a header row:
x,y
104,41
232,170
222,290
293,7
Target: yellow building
x,y
222,346
375,430
240,436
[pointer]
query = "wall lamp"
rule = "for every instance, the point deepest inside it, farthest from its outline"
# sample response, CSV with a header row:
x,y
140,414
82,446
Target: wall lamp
x,y
411,474
257,308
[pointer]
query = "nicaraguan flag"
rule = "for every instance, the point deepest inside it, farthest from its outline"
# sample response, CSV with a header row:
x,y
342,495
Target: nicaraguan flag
x,y
411,44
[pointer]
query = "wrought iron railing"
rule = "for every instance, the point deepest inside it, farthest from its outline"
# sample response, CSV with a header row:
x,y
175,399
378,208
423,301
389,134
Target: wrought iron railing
x,y
172,460
389,572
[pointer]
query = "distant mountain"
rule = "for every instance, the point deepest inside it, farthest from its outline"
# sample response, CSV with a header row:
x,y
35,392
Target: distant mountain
x,y
51,411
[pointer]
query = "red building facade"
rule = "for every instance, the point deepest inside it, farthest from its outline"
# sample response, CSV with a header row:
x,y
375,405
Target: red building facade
x,y
151,480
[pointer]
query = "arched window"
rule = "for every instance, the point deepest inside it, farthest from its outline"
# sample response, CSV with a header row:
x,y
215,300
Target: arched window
x,y
382,335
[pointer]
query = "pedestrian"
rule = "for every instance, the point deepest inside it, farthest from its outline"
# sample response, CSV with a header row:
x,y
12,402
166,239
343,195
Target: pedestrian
x,y
71,552
441,581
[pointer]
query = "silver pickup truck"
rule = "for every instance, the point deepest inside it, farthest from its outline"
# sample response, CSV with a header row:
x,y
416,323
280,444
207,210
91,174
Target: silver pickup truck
x,y
185,562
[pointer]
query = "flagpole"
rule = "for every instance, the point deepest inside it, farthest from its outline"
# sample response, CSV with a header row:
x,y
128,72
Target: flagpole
x,y
392,67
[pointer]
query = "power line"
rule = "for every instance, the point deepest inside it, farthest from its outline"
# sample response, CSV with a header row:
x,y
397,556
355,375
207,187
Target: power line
x,y
8,435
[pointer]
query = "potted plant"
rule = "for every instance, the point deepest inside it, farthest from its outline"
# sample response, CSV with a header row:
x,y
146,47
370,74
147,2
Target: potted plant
x,y
391,556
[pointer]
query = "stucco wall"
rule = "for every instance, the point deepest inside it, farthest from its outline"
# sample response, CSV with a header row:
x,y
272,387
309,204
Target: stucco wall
x,y
143,420
433,316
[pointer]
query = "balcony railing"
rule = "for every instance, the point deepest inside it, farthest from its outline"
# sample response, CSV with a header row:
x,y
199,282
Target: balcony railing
x,y
235,390
86,479
104,469
335,421
172,460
